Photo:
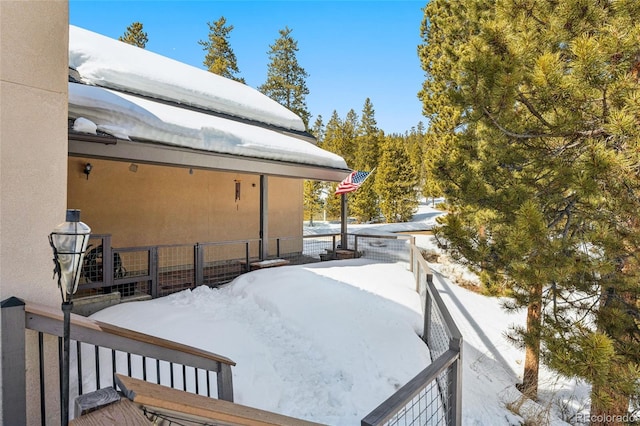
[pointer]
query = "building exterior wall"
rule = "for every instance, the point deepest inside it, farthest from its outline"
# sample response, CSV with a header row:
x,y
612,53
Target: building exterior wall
x,y
33,160
143,204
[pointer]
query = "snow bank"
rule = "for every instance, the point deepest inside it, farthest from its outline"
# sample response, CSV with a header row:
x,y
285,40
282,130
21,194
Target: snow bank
x,y
325,342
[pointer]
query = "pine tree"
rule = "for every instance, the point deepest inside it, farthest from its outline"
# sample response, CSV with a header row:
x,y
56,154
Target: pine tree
x,y
318,130
135,35
346,138
330,142
396,181
220,58
313,201
363,203
534,109
286,79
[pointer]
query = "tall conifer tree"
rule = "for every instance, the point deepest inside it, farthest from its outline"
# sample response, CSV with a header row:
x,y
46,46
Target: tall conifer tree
x,y
396,181
135,35
220,58
286,79
364,202
314,191
534,108
331,143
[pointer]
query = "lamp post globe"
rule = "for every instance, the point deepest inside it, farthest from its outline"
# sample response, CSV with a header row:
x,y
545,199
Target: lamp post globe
x,y
69,242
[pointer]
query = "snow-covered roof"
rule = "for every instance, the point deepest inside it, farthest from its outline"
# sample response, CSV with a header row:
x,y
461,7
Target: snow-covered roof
x,y
102,61
133,94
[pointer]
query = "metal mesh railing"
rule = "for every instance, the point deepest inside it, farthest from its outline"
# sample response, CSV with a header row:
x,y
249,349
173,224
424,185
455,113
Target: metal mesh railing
x,y
133,275
425,408
165,269
433,397
382,248
223,261
175,268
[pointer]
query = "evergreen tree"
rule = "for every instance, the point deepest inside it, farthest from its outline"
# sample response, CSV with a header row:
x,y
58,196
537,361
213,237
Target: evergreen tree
x,y
318,130
347,135
286,79
330,142
430,182
534,107
220,58
396,181
135,35
332,205
313,201
363,203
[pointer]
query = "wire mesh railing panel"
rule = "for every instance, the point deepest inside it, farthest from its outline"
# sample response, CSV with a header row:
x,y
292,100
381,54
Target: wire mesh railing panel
x,y
175,268
433,397
131,271
224,261
439,336
382,248
424,409
285,247
319,247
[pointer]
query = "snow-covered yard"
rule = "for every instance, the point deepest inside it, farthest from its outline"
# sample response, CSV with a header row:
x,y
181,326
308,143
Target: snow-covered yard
x,y
329,341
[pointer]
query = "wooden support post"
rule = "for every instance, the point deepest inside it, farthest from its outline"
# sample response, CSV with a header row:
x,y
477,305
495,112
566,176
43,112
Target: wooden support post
x,y
13,385
264,216
225,382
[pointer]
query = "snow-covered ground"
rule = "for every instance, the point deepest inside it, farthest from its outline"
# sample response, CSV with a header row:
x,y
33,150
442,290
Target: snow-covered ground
x,y
329,341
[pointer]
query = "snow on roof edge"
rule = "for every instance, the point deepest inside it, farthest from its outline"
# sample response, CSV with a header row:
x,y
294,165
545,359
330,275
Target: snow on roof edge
x,y
127,116
102,61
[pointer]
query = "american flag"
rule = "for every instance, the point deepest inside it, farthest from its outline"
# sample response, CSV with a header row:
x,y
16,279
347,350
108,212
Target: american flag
x,y
352,182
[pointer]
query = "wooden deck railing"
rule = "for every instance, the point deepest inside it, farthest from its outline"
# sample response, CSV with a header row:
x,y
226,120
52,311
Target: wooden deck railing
x,y
127,352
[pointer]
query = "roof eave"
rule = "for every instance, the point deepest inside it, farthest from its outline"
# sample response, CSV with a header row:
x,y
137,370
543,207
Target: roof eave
x,y
108,147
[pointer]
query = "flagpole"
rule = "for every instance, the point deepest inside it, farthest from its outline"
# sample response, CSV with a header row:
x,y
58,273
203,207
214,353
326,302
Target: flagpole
x,y
343,222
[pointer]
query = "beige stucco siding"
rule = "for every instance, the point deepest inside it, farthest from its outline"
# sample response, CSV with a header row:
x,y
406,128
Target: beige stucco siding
x,y
153,205
33,161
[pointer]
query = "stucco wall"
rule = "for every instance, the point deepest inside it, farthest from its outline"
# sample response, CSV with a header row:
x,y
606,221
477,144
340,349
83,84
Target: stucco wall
x,y
144,204
33,158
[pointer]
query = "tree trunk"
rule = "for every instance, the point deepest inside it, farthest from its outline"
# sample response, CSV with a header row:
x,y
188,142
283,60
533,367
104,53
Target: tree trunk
x,y
618,410
612,415
529,385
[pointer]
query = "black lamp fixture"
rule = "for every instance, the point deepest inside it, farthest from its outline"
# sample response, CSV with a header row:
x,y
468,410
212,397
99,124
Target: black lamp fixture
x,y
69,243
87,169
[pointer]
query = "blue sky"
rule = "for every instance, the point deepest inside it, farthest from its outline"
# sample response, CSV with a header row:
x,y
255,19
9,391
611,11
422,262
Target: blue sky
x,y
352,50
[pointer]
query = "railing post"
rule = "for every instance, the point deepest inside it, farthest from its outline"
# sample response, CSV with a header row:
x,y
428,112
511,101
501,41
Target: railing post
x,y
153,271
455,385
411,257
14,394
246,255
225,382
355,244
426,333
107,262
278,247
198,265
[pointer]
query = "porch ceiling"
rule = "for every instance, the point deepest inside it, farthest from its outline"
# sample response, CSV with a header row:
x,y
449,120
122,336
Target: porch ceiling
x,y
109,147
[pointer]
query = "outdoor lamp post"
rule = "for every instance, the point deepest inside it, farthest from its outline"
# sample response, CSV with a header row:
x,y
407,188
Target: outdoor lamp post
x,y
69,243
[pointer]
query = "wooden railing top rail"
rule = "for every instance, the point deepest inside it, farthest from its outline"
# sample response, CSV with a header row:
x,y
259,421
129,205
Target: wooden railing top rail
x,y
49,320
166,400
406,393
449,322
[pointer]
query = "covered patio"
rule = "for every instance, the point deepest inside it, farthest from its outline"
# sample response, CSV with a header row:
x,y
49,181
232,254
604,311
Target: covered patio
x,y
186,178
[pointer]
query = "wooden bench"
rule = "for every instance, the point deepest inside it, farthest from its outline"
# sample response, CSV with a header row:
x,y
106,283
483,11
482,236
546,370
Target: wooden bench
x,y
263,264
161,400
